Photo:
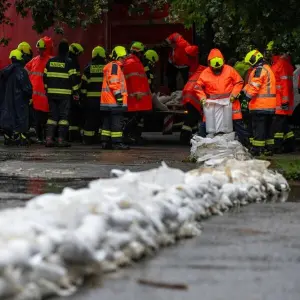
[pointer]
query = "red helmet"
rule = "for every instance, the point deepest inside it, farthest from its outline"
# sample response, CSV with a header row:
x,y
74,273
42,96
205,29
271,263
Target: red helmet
x,y
192,50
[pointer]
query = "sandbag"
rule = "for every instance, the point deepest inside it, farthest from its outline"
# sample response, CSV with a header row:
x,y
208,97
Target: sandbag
x,y
218,114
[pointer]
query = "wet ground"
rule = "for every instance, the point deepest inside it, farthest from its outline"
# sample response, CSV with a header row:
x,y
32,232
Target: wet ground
x,y
253,254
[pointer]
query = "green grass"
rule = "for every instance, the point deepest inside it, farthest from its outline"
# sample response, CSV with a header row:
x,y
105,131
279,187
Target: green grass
x,y
288,165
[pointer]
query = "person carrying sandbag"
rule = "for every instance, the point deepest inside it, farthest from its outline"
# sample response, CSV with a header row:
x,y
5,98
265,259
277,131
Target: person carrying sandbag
x,y
217,89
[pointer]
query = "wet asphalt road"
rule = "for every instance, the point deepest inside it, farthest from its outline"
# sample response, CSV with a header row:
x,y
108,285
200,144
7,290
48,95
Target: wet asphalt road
x,y
253,254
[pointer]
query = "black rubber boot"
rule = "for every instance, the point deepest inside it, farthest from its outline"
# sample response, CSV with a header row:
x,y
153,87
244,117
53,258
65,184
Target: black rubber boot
x,y
120,146
62,137
50,133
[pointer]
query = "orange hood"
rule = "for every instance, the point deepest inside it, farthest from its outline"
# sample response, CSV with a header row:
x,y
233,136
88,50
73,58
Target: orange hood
x,y
215,53
49,46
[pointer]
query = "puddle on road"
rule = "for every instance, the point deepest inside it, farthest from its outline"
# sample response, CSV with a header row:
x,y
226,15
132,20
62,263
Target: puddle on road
x,y
294,195
37,186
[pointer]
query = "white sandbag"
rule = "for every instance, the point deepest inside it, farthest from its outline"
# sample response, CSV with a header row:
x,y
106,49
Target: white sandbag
x,y
158,104
218,114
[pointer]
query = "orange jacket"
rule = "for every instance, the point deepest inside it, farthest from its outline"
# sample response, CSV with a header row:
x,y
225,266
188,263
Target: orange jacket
x,y
178,55
218,86
35,69
283,71
261,89
189,94
114,85
139,94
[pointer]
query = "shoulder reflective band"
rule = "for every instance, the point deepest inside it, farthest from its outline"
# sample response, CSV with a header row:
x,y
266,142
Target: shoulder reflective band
x,y
57,64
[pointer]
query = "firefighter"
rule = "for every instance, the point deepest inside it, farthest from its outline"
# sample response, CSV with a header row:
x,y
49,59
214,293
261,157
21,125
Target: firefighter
x,y
76,112
178,59
26,50
15,95
219,81
91,87
193,107
35,69
139,94
113,101
151,58
283,70
260,94
61,86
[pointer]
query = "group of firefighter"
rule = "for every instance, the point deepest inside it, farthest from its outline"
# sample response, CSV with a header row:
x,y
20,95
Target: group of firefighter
x,y
48,93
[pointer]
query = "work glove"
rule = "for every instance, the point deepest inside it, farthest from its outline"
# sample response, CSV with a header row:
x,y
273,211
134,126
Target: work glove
x,y
119,99
233,98
244,105
203,101
285,106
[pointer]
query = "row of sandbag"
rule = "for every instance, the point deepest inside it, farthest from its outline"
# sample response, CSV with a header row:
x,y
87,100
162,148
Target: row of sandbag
x,y
51,245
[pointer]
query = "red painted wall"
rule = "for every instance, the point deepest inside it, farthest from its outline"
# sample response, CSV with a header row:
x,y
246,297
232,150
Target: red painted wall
x,y
120,29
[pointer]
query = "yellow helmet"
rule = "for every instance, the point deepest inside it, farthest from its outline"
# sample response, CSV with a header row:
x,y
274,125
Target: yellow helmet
x,y
17,54
137,47
270,46
118,52
24,47
98,51
41,44
216,62
253,57
152,56
76,48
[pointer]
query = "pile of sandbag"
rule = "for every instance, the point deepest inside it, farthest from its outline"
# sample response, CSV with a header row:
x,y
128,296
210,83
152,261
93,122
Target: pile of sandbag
x,y
50,246
216,150
174,99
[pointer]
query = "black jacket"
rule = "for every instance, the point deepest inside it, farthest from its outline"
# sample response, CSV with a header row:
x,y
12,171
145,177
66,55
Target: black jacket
x,y
60,78
15,95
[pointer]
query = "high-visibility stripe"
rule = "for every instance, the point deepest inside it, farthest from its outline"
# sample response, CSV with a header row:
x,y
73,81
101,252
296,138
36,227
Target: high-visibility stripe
x,y
95,79
289,135
279,135
63,123
36,73
84,78
100,130
83,91
218,96
286,77
146,68
77,73
74,128
116,134
251,140
278,87
135,74
93,94
57,75
266,95
59,91
51,122
106,133
139,94
270,142
76,87
255,84
114,80
186,128
236,111
264,109
88,133
191,97
285,98
39,94
258,143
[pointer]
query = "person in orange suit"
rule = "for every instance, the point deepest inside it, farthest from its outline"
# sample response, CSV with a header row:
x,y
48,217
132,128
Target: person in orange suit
x,y
35,69
113,101
220,81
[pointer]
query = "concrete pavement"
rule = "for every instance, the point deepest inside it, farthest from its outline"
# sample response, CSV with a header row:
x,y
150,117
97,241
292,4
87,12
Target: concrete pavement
x,y
250,255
